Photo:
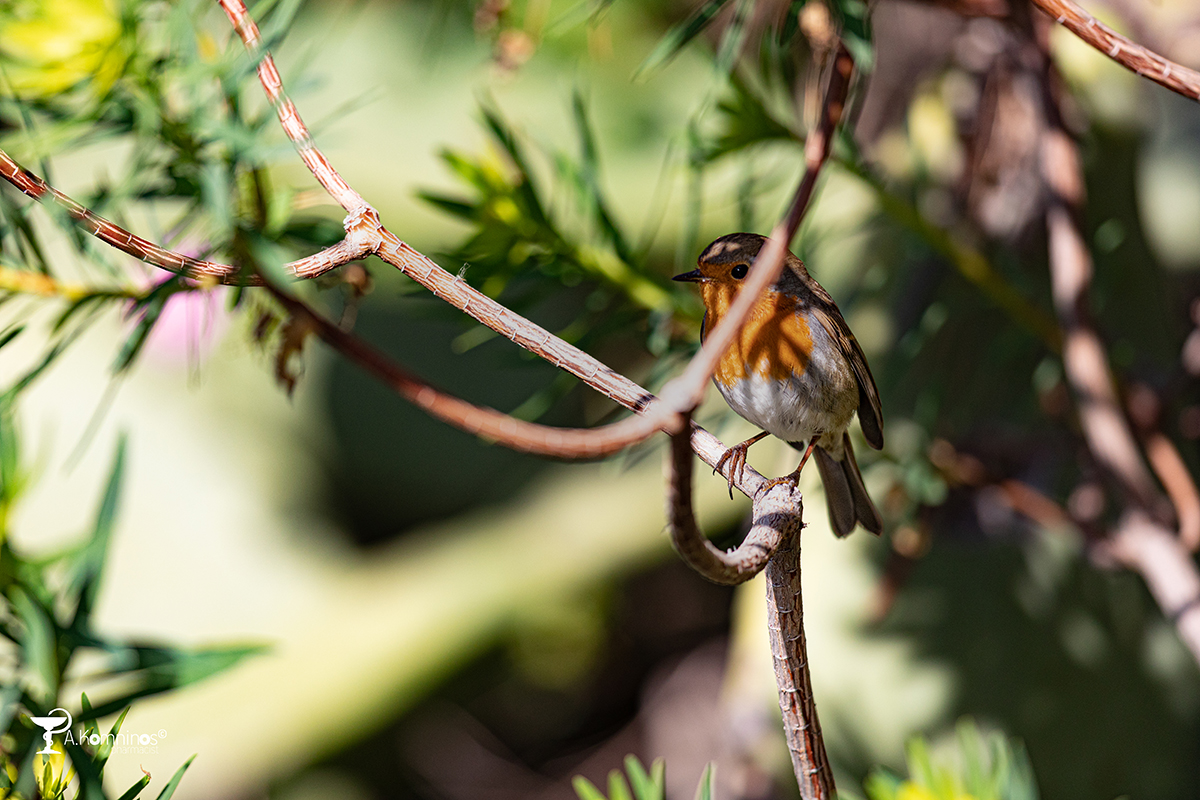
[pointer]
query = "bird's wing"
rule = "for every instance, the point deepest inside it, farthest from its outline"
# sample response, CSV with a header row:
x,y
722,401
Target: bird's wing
x,y
870,413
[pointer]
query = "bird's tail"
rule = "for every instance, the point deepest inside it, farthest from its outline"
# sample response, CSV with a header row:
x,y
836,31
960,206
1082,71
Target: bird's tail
x,y
848,500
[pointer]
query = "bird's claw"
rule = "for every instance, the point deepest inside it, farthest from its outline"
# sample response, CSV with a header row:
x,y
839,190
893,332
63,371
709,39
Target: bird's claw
x,y
738,468
792,477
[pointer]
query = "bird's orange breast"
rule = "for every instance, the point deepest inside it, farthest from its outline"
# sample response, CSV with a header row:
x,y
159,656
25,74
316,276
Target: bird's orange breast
x,y
775,342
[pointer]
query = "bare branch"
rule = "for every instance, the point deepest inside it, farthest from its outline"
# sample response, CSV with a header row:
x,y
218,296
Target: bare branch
x,y
1141,542
365,234
110,233
289,117
785,621
1128,54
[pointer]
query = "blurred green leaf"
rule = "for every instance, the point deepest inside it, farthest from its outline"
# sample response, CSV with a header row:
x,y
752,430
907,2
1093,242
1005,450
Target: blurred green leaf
x,y
91,786
586,789
705,790
88,565
618,787
680,35
650,786
39,642
153,670
136,789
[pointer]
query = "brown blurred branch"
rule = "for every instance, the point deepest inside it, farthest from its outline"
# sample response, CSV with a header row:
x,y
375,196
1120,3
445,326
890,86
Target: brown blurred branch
x,y
1128,54
1145,411
1172,472
1142,542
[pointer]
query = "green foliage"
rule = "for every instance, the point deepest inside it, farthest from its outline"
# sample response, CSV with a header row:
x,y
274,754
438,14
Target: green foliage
x,y
46,615
518,237
640,785
202,144
989,766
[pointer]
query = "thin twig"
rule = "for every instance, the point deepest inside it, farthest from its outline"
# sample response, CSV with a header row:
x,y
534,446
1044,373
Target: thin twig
x,y
110,233
289,117
484,422
785,621
1128,54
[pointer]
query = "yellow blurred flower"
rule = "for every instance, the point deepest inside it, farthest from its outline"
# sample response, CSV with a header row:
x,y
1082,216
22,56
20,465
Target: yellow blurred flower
x,y
48,46
911,791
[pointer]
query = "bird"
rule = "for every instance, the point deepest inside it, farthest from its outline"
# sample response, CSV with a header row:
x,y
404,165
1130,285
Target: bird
x,y
795,371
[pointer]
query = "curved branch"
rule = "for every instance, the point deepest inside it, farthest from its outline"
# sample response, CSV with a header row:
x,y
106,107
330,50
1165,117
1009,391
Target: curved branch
x,y
488,423
1128,54
777,516
774,544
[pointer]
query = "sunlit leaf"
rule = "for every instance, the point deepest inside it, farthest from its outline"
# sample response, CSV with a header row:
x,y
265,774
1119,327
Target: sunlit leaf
x,y
173,784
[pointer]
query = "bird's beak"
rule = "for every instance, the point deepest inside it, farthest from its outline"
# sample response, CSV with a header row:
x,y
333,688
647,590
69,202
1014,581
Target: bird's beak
x,y
695,276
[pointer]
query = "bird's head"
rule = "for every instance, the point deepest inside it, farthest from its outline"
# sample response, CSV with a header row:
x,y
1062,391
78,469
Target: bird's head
x,y
726,261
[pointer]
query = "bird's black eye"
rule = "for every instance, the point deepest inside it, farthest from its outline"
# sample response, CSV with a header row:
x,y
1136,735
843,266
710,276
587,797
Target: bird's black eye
x,y
739,271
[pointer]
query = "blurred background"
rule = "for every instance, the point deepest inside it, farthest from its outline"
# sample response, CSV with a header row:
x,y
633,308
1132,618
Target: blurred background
x,y
447,619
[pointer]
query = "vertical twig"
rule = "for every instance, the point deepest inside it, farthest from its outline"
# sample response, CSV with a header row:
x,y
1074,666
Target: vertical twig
x,y
773,543
785,619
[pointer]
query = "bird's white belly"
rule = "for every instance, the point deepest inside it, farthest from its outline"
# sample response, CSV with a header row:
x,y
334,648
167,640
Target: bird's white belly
x,y
820,401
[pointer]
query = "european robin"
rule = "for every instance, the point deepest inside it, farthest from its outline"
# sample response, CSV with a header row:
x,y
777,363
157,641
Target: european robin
x,y
796,371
